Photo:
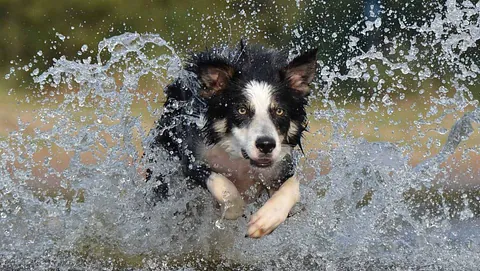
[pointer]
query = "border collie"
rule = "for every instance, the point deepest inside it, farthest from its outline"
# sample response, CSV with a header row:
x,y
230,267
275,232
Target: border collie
x,y
232,120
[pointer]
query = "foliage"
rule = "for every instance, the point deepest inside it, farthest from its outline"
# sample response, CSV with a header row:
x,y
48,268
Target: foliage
x,y
43,30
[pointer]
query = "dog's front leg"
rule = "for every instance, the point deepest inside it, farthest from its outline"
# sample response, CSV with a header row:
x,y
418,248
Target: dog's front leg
x,y
227,195
275,210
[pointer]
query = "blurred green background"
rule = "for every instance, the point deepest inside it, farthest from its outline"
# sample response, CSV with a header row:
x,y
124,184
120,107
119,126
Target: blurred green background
x,y
56,28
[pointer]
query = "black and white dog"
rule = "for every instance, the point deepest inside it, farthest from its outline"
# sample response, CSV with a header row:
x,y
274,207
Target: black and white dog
x,y
232,120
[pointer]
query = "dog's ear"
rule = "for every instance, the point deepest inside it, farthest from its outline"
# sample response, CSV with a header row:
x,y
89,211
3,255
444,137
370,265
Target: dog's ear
x,y
300,72
215,78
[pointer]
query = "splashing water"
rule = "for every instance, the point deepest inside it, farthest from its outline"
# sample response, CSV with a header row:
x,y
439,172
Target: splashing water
x,y
72,191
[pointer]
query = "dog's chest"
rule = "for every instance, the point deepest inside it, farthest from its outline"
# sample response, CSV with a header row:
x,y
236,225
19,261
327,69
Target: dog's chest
x,y
238,170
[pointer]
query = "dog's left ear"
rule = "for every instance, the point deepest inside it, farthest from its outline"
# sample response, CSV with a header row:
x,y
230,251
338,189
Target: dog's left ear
x,y
300,72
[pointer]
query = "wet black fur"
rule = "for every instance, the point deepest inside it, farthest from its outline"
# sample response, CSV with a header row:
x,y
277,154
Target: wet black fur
x,y
176,133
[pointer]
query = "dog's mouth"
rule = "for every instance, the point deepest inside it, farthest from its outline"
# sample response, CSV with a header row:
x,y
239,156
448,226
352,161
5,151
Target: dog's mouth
x,y
261,163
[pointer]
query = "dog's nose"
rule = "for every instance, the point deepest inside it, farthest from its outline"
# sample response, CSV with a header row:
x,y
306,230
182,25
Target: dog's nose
x,y
265,144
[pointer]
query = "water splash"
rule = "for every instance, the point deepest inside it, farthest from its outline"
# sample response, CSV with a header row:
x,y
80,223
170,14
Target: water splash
x,y
460,131
72,193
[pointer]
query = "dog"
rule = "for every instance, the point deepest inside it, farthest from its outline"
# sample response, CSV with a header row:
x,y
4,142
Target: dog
x,y
232,119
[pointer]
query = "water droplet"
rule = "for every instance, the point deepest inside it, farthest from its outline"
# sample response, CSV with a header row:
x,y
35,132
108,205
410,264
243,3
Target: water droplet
x,y
219,224
60,36
442,130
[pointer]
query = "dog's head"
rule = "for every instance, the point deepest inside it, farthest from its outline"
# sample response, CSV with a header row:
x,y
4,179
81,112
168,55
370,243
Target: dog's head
x,y
256,100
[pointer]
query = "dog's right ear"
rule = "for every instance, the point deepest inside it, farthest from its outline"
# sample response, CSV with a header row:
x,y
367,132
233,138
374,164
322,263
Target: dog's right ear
x,y
215,78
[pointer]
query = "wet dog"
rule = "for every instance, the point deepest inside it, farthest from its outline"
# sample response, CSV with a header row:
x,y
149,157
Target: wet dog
x,y
232,119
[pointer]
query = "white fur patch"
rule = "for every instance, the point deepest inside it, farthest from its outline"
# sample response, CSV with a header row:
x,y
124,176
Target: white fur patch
x,y
201,121
292,131
220,126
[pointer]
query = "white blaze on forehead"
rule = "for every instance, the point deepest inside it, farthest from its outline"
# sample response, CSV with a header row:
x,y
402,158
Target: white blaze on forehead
x,y
260,96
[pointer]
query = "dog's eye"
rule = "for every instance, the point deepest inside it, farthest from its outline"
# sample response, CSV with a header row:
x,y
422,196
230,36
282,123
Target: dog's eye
x,y
279,112
242,110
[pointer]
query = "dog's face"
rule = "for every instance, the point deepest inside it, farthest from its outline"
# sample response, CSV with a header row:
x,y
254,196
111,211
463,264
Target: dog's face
x,y
256,106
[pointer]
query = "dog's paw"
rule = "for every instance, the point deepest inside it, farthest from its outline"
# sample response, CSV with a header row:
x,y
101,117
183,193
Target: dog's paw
x,y
268,218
